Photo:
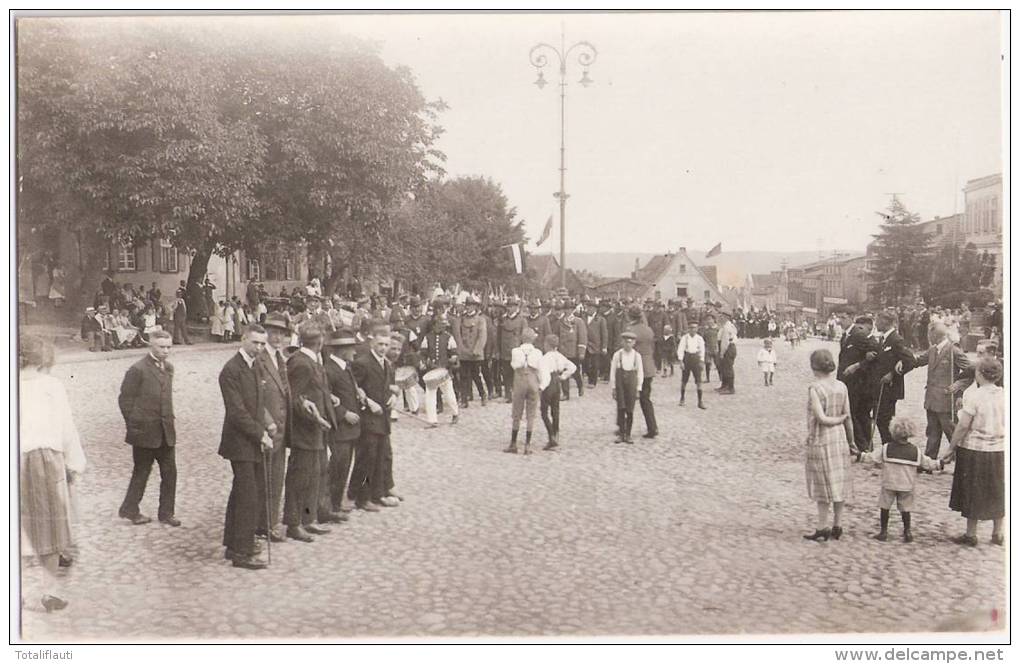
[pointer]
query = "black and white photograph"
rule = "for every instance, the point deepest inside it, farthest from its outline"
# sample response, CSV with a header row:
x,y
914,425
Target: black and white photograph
x,y
510,327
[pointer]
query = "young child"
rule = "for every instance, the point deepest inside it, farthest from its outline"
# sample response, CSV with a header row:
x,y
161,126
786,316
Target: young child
x,y
667,350
767,361
691,350
552,370
626,375
900,461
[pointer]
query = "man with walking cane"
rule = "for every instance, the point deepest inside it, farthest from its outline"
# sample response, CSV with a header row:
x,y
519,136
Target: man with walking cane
x,y
246,438
277,404
340,348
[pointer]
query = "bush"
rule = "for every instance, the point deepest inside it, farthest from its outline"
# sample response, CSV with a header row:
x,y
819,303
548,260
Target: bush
x,y
974,299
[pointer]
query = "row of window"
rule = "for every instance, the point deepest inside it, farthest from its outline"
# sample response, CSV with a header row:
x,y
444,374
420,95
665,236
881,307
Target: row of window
x,y
279,265
982,216
124,258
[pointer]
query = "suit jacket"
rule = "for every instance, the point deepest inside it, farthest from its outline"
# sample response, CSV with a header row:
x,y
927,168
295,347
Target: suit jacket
x,y
180,311
343,385
471,343
540,324
944,368
644,345
890,352
598,334
308,381
375,381
244,420
277,397
853,349
573,337
613,330
147,405
510,329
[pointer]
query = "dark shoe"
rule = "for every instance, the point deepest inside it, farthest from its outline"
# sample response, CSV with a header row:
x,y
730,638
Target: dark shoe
x,y
650,434
316,529
508,400
300,534
550,446
727,391
965,540
702,406
682,403
250,562
170,521
819,535
908,537
453,420
997,540
527,449
368,507
137,519
332,517
67,561
51,603
276,535
837,532
512,449
882,536
619,439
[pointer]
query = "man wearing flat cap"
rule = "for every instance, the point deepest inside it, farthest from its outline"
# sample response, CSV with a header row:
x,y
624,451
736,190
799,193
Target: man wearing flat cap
x,y
644,344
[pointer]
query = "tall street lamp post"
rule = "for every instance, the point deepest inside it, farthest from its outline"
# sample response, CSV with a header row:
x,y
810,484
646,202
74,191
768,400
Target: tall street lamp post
x,y
586,55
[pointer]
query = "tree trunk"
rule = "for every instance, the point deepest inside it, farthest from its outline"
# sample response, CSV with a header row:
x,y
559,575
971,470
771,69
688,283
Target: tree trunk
x,y
195,297
91,250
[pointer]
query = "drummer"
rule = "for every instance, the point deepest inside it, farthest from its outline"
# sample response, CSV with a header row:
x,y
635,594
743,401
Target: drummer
x,y
438,355
405,359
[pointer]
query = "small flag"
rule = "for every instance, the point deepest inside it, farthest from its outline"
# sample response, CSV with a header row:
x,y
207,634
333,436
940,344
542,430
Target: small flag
x,y
715,251
545,232
517,253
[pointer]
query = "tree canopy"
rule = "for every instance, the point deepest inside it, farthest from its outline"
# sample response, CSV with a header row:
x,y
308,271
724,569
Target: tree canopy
x,y
899,255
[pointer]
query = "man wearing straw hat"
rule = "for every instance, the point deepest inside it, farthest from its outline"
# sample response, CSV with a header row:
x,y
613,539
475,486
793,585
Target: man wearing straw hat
x,y
277,403
339,354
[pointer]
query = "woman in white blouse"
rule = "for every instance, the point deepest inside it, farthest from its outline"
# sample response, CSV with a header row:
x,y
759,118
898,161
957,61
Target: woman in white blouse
x,y
51,459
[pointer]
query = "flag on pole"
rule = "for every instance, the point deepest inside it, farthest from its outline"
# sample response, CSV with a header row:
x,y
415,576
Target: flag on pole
x,y
714,251
545,232
517,255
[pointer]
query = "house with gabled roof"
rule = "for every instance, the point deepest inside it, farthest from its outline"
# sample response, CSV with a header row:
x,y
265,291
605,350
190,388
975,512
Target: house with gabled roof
x,y
675,276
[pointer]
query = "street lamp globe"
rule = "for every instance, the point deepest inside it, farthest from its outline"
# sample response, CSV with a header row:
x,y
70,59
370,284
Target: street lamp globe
x,y
540,82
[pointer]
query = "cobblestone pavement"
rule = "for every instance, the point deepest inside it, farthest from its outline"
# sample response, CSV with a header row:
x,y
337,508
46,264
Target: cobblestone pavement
x,y
698,531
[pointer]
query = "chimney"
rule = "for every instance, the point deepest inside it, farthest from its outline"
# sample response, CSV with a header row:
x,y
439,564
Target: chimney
x,y
637,266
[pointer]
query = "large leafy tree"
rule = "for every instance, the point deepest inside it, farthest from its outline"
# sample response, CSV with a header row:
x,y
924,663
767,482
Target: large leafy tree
x,y
955,270
899,255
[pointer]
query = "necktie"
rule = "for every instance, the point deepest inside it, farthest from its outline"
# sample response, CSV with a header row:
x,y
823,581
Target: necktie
x,y
281,368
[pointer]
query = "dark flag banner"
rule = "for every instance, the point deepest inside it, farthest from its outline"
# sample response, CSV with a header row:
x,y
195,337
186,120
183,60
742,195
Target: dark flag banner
x,y
715,251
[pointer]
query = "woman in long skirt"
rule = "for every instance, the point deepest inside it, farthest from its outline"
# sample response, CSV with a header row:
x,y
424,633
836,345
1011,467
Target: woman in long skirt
x,y
979,442
829,431
51,459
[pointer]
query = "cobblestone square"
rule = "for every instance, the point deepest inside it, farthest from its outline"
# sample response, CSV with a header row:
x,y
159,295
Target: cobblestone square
x,y
696,532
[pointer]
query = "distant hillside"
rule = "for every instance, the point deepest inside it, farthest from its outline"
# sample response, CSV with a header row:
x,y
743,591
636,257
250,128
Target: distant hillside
x,y
732,266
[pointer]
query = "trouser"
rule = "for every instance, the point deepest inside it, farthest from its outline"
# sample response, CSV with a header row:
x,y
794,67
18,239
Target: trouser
x,y
726,366
181,332
328,477
340,471
301,491
692,367
709,361
277,474
647,408
861,404
507,376
592,367
578,378
99,341
657,357
626,395
411,398
365,455
551,409
470,372
525,398
938,424
243,507
886,409
606,359
449,400
381,480
487,376
496,371
143,457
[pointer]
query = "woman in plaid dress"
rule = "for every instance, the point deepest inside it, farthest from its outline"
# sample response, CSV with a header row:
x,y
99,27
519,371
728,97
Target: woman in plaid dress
x,y
829,430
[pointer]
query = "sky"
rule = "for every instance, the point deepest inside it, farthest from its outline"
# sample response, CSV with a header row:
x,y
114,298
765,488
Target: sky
x,y
773,131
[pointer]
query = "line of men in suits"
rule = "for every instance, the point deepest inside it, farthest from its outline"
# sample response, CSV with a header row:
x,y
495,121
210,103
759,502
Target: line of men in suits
x,y
328,402
873,359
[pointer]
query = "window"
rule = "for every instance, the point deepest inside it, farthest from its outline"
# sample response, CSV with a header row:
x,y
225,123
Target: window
x,y
708,295
253,270
289,271
127,258
681,291
167,256
682,268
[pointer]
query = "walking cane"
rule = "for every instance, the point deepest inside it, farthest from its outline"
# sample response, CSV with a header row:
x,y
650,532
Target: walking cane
x,y
874,413
267,472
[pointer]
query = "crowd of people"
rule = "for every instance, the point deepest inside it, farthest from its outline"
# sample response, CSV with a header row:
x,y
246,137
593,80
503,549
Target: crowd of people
x,y
325,376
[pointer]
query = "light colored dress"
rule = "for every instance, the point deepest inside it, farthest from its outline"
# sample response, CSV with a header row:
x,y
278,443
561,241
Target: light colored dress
x,y
216,321
828,458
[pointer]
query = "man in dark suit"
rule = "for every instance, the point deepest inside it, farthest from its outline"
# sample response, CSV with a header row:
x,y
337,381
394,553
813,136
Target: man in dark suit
x,y
277,400
146,403
373,464
855,348
313,416
946,364
598,342
246,441
181,321
886,371
340,348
